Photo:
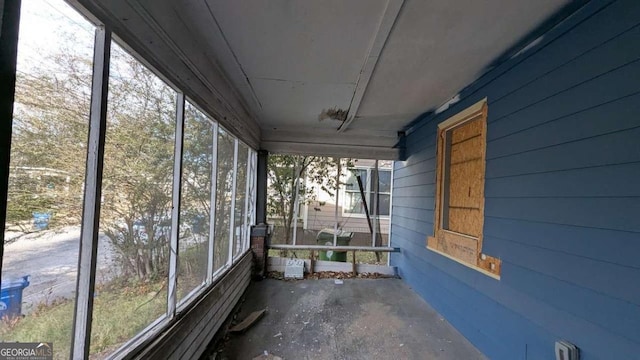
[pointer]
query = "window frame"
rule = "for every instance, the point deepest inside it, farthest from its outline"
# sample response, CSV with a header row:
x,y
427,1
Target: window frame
x,y
369,191
462,248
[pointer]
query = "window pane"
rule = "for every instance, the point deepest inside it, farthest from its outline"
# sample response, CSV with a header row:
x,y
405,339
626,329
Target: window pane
x,y
352,181
136,203
241,189
316,197
224,192
384,200
46,174
195,204
353,203
384,181
385,204
252,195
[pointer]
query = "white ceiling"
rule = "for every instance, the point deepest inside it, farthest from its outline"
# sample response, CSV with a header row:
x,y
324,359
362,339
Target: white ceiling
x,y
277,65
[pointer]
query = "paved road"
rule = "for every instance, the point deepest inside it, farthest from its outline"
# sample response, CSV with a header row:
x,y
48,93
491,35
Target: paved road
x,y
51,258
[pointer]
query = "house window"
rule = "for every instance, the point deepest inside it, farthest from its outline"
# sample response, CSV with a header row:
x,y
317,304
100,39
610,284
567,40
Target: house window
x,y
353,203
459,216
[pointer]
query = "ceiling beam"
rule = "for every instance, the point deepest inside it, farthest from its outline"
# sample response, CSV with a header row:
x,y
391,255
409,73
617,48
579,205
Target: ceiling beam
x,y
334,150
384,29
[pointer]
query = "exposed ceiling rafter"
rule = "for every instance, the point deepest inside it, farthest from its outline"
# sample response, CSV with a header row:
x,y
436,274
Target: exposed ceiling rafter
x,y
386,24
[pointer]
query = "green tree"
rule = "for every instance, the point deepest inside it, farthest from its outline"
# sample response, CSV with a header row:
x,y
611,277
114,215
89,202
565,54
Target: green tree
x,y
49,141
288,172
138,166
49,144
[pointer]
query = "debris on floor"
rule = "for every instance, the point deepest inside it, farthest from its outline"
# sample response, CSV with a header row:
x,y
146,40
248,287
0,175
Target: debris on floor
x,y
294,269
267,356
330,275
338,282
358,320
248,321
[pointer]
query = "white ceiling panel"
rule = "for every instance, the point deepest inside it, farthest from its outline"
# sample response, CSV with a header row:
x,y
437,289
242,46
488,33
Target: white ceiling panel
x,y
438,47
299,103
278,64
324,41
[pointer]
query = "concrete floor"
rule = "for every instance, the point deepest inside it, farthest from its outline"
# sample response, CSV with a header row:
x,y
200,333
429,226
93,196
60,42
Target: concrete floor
x,y
360,319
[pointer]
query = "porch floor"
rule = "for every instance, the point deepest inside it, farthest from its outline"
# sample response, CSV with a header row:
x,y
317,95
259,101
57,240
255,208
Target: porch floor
x,y
360,319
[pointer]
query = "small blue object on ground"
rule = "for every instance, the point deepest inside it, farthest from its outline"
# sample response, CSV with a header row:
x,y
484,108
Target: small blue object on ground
x,y
11,297
41,220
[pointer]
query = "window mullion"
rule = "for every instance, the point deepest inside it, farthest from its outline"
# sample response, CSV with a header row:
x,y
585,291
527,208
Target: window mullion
x,y
245,211
88,251
232,214
212,207
172,294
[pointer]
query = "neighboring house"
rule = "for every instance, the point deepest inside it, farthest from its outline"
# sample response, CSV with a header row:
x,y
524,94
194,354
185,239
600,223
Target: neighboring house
x,y
317,210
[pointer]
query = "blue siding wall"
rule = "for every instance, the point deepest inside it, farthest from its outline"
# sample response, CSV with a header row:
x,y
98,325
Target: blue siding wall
x,y
562,194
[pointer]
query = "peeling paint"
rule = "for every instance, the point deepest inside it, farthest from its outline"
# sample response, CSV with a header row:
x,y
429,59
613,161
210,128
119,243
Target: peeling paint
x,y
333,114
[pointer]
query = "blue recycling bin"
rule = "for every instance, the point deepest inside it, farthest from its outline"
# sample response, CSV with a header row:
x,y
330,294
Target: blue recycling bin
x,y
11,297
41,220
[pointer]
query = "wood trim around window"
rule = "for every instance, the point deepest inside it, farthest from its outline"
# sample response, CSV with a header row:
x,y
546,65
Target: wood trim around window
x,y
464,248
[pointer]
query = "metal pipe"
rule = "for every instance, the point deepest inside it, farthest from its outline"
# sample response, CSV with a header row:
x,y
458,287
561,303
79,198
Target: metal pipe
x,y
335,225
334,248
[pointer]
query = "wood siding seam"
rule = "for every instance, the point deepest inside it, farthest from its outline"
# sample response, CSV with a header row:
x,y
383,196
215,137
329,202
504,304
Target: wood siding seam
x,y
566,142
562,170
562,117
565,63
565,90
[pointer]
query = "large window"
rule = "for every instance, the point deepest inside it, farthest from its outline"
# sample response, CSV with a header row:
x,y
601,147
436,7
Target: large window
x,y
136,205
156,251
195,202
224,196
460,189
46,176
240,199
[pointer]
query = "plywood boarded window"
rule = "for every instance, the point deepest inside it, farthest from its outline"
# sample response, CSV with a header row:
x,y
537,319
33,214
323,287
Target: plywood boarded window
x,y
459,215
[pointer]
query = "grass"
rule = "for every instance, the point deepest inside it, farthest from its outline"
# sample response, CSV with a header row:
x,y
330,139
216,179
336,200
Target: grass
x,y
51,323
362,257
121,310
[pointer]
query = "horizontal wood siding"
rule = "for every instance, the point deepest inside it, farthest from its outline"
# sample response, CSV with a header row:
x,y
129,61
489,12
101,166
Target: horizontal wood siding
x,y
562,197
196,327
324,217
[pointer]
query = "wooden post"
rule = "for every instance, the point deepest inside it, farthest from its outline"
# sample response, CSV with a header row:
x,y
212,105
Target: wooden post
x,y
313,255
353,263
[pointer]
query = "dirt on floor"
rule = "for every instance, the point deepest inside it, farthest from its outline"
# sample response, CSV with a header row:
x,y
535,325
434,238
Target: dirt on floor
x,y
346,318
